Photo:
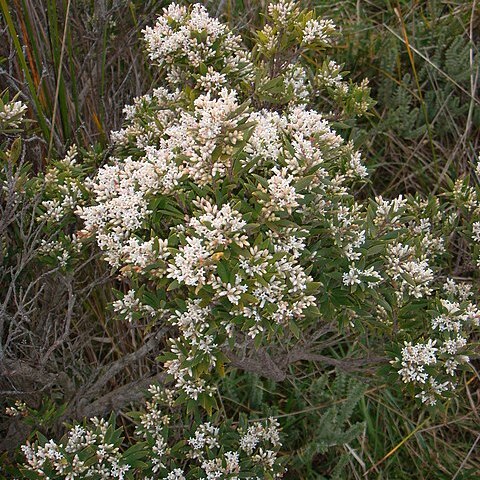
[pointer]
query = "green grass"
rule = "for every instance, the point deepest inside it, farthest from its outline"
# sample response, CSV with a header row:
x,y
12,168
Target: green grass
x,y
422,62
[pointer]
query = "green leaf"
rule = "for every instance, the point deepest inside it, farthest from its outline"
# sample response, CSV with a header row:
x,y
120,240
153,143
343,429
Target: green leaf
x,y
15,150
223,272
294,329
304,182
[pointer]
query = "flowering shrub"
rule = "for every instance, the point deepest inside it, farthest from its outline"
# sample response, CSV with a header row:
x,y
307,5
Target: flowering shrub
x,y
51,198
242,215
196,50
167,442
209,196
232,208
11,114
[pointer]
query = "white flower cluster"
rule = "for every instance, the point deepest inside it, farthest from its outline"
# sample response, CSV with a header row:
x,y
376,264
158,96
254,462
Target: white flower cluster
x,y
194,326
64,460
292,33
412,274
206,437
318,31
296,79
128,305
188,41
280,15
63,192
312,142
282,193
415,358
63,189
206,446
330,75
282,11
413,240
253,443
208,450
122,190
258,433
408,256
62,250
212,230
16,410
465,196
444,354
207,136
355,276
12,114
205,144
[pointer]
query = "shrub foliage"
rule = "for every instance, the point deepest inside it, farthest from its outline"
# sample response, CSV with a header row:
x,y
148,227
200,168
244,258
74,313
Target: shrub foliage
x,y
237,217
